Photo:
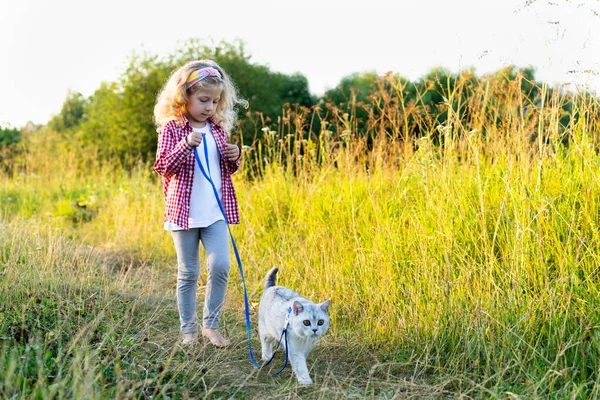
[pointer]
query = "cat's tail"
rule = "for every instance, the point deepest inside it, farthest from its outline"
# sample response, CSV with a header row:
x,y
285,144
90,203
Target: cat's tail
x,y
271,278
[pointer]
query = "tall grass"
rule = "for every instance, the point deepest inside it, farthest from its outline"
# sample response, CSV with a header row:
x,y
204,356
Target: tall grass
x,y
463,252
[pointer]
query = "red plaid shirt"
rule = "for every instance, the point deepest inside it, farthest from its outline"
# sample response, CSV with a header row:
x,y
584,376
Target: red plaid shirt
x,y
175,164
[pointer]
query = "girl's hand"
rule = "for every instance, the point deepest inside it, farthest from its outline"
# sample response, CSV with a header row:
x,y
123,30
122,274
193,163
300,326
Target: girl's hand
x,y
194,139
232,152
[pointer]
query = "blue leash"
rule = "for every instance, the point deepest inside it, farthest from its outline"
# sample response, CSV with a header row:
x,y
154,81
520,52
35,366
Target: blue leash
x,y
239,263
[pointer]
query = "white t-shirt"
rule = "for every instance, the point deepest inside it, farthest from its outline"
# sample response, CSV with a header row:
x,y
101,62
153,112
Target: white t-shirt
x,y
204,209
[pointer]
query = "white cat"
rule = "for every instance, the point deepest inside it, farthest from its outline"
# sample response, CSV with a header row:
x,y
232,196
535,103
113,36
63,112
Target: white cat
x,y
307,323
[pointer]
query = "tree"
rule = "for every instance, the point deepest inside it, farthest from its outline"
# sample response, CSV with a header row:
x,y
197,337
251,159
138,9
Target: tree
x,y
72,113
9,135
119,115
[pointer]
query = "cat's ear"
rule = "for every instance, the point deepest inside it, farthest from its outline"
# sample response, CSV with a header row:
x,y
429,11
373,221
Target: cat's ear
x,y
298,308
325,306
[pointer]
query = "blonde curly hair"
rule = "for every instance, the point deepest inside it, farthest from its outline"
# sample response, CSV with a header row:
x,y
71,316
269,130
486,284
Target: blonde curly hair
x,y
172,99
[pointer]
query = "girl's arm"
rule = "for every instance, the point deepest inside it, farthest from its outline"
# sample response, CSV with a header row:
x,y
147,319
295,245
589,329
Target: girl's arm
x,y
170,154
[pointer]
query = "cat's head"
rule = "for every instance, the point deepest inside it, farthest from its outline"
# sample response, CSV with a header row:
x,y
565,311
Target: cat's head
x,y
309,319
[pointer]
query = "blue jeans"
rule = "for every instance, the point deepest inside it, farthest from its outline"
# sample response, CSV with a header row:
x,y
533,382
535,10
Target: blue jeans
x,y
215,239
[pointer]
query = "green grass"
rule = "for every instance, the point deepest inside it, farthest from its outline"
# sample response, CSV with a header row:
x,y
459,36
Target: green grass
x,y
468,269
77,324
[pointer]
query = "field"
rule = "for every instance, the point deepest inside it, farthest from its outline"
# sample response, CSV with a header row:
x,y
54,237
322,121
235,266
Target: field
x,y
460,263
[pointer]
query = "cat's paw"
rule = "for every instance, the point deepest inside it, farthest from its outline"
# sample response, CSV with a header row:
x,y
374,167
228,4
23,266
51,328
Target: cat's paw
x,y
305,380
266,356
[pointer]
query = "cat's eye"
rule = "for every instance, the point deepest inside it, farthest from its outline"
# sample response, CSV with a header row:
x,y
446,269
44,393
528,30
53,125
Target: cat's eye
x,y
306,322
321,322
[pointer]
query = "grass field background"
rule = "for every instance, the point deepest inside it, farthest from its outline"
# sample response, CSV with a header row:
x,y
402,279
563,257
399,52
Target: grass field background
x,y
463,262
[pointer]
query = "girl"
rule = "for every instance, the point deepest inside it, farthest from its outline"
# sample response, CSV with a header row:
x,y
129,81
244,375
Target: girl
x,y
197,104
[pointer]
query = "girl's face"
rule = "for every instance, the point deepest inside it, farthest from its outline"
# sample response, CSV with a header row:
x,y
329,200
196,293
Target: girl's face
x,y
202,105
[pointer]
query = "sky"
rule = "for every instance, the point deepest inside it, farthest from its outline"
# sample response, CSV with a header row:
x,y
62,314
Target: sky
x,y
48,47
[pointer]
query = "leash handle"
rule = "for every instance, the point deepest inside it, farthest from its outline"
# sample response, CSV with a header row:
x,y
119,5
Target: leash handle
x,y
239,263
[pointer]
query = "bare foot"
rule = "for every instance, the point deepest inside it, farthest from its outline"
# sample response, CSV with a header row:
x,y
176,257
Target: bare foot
x,y
215,337
189,338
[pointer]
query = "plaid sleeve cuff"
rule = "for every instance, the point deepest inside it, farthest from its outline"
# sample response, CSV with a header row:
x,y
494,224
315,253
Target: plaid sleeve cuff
x,y
184,147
